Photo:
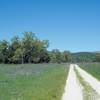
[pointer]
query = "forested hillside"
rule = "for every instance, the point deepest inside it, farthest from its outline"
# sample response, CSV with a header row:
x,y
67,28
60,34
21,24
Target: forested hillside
x,y
84,57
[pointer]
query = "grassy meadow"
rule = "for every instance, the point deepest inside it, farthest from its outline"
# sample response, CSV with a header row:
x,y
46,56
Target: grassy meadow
x,y
92,68
32,81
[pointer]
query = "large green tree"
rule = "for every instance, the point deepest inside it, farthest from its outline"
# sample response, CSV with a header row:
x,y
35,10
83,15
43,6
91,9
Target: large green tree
x,y
34,49
28,49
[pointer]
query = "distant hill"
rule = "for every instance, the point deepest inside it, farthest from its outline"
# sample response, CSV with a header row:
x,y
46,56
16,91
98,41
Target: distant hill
x,y
83,57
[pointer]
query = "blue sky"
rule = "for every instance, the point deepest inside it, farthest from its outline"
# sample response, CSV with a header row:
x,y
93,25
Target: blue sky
x,y
68,24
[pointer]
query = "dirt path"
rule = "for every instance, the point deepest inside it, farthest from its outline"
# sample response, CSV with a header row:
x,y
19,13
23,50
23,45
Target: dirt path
x,y
72,89
93,82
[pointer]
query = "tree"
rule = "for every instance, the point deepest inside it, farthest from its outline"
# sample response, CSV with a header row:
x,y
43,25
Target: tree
x,y
28,49
56,56
17,58
66,56
15,50
4,51
97,58
34,50
27,46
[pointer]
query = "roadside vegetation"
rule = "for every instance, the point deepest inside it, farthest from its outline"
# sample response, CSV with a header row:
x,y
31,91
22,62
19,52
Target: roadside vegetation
x,y
88,92
92,68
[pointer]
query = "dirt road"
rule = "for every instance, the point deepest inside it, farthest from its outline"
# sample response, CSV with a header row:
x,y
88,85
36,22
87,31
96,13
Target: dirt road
x,y
73,89
76,90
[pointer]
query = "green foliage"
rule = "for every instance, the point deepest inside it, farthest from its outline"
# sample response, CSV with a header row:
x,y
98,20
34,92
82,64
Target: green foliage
x,y
83,57
59,57
4,51
17,56
56,56
66,56
29,49
97,57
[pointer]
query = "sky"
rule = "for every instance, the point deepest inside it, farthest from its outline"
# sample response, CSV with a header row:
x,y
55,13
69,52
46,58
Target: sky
x,y
72,25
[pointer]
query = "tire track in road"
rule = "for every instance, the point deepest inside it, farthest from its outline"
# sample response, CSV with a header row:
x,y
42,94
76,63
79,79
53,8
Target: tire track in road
x,y
88,92
92,81
73,89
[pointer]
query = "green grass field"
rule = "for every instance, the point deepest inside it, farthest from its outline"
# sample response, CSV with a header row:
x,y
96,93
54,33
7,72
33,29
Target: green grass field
x,y
32,81
92,68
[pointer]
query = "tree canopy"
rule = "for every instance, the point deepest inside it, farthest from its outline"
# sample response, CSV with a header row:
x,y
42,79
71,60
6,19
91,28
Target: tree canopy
x,y
30,49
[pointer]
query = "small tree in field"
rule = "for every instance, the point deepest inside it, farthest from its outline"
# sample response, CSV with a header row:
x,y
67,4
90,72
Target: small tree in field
x,y
97,59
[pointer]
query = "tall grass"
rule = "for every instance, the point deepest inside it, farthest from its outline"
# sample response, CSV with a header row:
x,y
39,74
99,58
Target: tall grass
x,y
32,81
92,68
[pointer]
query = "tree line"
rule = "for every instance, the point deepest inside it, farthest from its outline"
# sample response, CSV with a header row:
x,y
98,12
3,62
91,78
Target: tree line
x,y
30,49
